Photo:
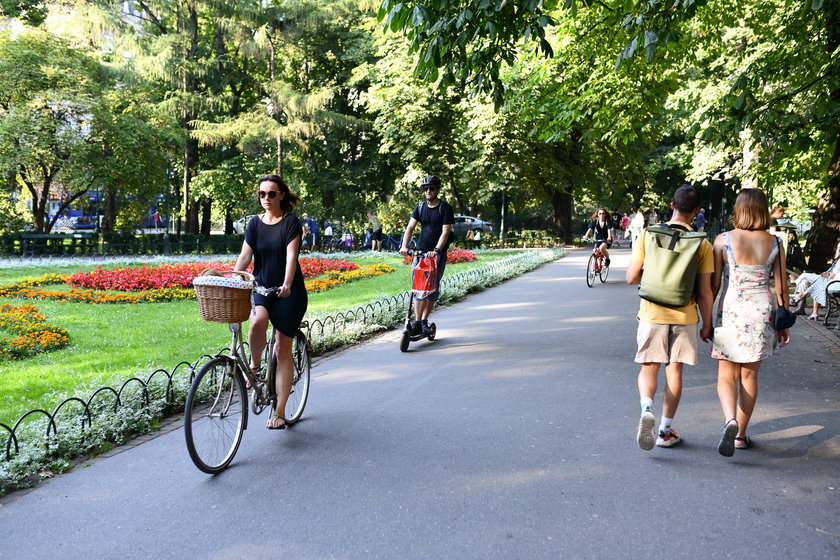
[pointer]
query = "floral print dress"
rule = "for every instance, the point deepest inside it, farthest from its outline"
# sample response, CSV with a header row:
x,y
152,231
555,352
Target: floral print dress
x,y
744,330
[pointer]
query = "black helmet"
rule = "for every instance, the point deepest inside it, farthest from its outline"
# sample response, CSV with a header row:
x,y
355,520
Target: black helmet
x,y
431,180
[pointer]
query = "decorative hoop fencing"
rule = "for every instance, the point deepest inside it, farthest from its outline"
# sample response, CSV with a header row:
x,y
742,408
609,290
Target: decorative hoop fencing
x,y
80,413
389,311
166,390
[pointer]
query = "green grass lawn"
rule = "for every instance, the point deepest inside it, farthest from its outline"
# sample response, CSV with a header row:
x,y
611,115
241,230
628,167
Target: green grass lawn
x,y
111,343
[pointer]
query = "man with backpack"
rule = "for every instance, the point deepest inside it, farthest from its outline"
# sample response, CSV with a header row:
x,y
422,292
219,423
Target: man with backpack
x,y
436,219
673,265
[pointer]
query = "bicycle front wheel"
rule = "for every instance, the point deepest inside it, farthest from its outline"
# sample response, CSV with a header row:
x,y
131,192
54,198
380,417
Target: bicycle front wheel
x,y
214,416
604,272
590,271
300,382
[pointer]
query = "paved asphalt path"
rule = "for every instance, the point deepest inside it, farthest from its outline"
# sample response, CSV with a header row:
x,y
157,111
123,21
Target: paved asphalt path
x,y
512,436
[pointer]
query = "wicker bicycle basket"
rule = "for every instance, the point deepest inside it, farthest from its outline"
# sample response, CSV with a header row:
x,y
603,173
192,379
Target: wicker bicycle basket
x,y
224,299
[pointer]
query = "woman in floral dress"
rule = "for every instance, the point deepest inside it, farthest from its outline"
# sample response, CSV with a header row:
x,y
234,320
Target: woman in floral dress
x,y
745,258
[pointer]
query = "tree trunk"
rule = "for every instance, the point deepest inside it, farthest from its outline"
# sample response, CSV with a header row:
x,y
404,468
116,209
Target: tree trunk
x,y
825,229
280,156
561,202
189,207
37,207
206,207
750,153
109,212
459,202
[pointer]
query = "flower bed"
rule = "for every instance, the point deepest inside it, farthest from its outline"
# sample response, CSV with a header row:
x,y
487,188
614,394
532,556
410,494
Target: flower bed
x,y
169,282
181,275
453,256
458,255
34,333
337,278
30,289
312,267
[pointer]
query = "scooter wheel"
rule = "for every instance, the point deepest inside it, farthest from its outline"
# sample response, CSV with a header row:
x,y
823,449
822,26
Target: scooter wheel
x,y
406,338
434,331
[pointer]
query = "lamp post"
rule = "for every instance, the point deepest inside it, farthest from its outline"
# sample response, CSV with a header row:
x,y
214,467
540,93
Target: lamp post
x,y
502,221
170,152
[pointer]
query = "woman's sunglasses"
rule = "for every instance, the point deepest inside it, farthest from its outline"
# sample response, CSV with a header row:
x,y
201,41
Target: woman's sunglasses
x,y
269,194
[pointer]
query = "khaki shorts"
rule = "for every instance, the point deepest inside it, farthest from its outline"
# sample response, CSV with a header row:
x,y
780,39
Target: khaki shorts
x,y
664,344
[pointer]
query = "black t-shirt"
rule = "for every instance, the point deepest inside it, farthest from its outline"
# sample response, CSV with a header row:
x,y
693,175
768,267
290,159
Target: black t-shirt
x,y
269,244
600,231
433,220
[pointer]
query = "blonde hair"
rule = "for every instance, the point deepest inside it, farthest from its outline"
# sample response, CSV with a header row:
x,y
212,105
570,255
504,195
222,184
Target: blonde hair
x,y
750,212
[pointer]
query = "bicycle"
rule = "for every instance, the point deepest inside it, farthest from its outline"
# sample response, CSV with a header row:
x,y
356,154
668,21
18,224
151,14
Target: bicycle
x,y
596,267
216,411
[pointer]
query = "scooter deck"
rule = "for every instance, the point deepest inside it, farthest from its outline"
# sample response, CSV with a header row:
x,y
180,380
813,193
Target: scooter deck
x,y
416,337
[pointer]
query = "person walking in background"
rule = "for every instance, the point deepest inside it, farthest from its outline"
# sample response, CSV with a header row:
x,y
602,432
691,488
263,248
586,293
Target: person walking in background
x,y
776,214
376,232
637,226
744,333
437,218
668,335
700,221
814,285
625,223
310,230
273,241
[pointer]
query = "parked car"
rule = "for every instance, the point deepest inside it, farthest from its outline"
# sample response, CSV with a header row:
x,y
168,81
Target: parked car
x,y
466,224
240,224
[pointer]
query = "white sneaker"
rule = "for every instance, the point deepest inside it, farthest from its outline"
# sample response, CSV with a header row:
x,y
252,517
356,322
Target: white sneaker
x,y
669,439
646,438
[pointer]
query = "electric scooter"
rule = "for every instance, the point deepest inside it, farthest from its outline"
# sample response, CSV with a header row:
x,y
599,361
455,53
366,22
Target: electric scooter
x,y
424,282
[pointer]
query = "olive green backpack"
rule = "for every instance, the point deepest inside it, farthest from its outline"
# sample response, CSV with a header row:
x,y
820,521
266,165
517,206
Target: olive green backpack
x,y
672,254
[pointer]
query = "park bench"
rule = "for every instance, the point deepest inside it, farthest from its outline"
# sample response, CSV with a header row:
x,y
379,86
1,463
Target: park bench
x,y
832,302
33,244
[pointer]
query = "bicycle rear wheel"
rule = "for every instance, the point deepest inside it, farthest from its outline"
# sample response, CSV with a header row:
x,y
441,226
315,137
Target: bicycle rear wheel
x,y
215,415
590,271
300,382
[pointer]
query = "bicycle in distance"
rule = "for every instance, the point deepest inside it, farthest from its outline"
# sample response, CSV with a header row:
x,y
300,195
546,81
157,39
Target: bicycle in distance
x,y
596,266
216,411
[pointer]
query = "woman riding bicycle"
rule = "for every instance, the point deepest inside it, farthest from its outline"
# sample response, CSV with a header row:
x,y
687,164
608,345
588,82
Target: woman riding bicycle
x,y
602,227
273,241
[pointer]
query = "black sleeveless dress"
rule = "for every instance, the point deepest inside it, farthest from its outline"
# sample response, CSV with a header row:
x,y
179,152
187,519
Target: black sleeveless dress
x,y
269,245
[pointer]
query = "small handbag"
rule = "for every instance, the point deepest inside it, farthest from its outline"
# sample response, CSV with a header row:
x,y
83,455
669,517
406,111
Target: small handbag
x,y
784,317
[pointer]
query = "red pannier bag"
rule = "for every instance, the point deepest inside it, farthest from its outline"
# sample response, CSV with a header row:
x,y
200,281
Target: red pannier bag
x,y
424,280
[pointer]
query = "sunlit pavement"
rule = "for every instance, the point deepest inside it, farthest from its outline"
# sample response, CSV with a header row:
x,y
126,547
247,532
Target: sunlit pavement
x,y
511,436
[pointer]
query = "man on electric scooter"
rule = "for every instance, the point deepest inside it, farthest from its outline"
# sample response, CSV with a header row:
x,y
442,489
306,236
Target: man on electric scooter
x,y
436,218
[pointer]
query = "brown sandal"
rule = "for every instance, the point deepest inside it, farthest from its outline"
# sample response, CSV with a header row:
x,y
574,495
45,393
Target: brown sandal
x,y
273,419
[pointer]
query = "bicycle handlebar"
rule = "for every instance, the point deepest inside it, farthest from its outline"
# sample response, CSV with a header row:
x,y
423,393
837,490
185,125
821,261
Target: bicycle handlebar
x,y
416,253
266,291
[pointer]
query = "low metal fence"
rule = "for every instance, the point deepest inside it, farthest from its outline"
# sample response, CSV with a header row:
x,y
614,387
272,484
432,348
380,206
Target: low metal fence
x,y
168,388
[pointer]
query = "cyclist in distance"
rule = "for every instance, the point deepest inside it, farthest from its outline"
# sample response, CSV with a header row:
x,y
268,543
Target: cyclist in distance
x,y
273,241
436,218
602,227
